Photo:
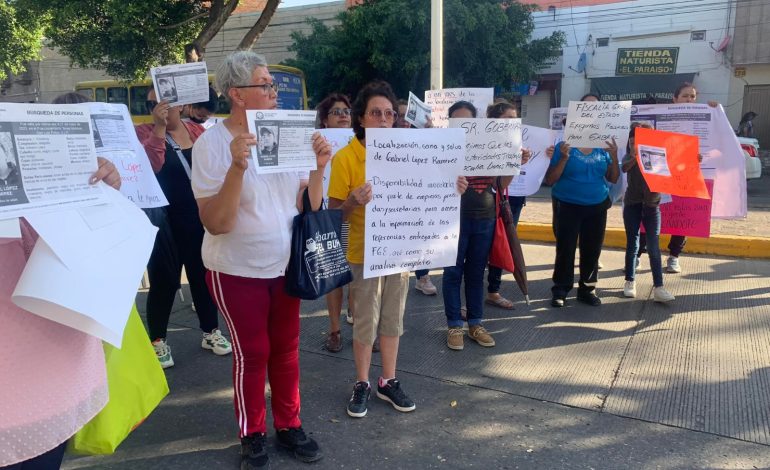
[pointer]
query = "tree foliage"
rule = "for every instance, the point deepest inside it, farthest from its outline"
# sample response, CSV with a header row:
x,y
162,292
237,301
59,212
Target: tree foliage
x,y
21,35
127,38
486,43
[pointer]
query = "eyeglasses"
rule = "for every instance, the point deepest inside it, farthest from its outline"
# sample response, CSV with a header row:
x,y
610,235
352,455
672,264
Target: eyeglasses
x,y
150,105
266,87
339,112
389,114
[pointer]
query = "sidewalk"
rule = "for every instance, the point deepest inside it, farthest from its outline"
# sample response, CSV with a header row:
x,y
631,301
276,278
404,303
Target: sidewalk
x,y
631,384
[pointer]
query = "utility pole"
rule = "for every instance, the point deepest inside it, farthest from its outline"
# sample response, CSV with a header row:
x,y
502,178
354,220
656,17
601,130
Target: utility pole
x,y
436,44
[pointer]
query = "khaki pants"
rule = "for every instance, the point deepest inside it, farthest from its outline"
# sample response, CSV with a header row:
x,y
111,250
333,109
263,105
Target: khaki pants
x,y
378,304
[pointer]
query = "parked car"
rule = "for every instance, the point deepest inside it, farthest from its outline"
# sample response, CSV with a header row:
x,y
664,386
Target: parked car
x,y
751,155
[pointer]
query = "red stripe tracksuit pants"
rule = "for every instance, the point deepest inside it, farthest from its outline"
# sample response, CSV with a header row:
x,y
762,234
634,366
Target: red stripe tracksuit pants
x,y
264,327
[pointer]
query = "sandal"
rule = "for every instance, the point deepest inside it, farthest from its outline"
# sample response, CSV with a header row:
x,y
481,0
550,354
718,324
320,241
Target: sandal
x,y
334,342
499,302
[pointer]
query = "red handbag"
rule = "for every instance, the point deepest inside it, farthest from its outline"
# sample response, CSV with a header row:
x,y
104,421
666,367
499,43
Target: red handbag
x,y
500,254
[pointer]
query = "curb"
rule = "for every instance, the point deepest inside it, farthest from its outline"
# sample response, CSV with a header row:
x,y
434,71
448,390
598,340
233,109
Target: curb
x,y
722,245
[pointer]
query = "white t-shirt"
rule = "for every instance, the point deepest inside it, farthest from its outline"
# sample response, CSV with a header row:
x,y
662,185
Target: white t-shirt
x,y
259,244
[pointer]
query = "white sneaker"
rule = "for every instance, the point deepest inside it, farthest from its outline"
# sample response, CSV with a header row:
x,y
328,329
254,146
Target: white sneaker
x,y
425,286
672,265
163,352
349,316
660,294
638,262
217,343
629,290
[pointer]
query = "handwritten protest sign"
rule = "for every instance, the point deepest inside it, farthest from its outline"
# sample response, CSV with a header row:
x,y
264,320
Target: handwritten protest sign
x,y
529,179
688,216
492,146
669,163
337,138
441,100
590,124
413,220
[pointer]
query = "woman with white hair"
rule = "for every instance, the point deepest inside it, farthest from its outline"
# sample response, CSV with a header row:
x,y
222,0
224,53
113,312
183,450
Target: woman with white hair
x,y
248,219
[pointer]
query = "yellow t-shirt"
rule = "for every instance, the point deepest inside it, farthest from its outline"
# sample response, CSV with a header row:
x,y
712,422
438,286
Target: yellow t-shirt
x,y
349,173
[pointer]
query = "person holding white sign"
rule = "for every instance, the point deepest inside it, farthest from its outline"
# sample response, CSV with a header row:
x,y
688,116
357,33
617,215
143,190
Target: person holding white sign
x,y
378,302
54,380
168,141
248,218
580,199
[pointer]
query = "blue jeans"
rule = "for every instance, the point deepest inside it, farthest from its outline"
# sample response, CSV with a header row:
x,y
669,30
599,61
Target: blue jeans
x,y
495,276
633,216
472,256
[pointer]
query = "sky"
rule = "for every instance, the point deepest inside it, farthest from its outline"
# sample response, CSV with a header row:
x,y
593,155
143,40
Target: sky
x,y
296,3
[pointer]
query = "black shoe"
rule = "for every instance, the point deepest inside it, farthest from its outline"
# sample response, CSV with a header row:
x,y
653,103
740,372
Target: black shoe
x,y
589,298
253,453
357,404
557,302
392,393
295,440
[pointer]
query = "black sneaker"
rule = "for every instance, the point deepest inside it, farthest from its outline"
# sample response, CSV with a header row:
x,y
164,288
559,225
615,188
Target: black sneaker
x,y
392,393
589,298
357,404
295,440
253,453
557,302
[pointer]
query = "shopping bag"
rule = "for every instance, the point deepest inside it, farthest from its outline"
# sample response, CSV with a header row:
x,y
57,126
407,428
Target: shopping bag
x,y
136,384
317,264
500,254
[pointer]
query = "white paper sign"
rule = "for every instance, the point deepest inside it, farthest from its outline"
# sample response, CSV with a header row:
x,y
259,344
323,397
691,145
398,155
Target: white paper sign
x,y
413,220
492,146
529,179
285,140
590,124
653,160
10,229
557,117
95,294
338,138
722,154
441,100
116,140
417,112
181,84
47,157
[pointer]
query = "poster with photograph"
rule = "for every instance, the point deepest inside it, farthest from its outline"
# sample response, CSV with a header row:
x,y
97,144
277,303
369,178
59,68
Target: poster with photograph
x,y
181,84
417,112
284,140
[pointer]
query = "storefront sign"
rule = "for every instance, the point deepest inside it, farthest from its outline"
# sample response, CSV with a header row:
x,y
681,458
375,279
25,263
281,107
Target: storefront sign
x,y
647,61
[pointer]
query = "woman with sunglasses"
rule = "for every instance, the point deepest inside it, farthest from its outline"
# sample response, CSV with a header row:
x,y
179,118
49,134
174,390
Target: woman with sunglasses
x,y
641,206
333,112
168,141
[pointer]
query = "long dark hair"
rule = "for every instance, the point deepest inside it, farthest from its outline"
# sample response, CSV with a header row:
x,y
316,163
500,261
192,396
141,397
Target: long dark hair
x,y
323,108
369,91
499,107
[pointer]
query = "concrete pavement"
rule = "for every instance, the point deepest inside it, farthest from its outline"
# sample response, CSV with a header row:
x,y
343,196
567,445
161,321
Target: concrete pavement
x,y
631,384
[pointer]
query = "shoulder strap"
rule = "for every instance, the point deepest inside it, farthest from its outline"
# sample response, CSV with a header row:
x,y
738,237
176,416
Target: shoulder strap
x,y
178,150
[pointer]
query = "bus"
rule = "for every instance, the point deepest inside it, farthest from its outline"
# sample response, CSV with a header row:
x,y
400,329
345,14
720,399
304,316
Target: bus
x,y
292,92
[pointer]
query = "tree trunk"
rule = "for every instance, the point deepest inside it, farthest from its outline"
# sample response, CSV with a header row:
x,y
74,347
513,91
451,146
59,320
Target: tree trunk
x,y
260,26
218,14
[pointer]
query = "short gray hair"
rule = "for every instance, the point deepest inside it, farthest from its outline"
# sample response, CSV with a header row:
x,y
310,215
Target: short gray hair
x,y
236,70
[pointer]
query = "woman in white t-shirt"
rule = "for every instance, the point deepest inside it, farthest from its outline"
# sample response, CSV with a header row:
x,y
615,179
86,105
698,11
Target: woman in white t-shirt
x,y
248,219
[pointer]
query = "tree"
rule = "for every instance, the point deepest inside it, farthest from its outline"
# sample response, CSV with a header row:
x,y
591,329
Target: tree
x,y
21,34
486,43
127,38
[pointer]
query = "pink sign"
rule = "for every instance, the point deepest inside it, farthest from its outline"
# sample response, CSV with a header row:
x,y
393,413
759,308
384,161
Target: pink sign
x,y
688,216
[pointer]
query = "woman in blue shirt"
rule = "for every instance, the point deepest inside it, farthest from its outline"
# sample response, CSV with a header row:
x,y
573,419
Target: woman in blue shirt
x,y
580,202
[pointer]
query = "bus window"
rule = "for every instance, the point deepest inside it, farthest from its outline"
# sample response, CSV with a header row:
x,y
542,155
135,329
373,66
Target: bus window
x,y
117,95
138,100
223,107
101,95
87,92
289,90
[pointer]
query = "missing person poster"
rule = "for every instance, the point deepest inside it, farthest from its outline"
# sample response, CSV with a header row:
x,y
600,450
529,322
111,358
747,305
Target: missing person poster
x,y
284,140
47,157
181,84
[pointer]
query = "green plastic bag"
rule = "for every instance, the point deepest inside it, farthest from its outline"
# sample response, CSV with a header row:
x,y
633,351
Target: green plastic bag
x,y
136,384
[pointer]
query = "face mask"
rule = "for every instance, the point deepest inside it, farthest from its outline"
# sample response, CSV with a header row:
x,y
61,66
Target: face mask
x,y
197,120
